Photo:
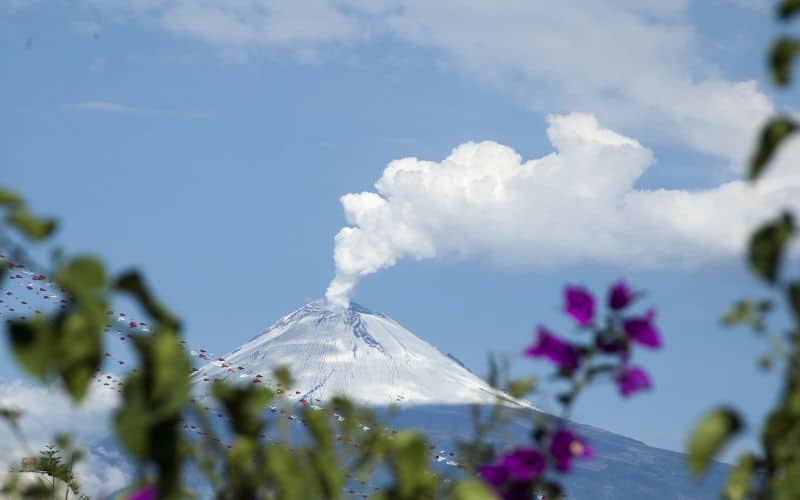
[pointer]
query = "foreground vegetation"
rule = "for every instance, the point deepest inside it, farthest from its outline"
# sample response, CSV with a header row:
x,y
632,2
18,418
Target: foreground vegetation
x,y
66,347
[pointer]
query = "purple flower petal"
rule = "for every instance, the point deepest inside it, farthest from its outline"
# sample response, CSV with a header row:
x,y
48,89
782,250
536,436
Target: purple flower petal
x,y
620,296
511,476
547,345
642,331
523,464
579,304
146,493
493,474
566,446
633,379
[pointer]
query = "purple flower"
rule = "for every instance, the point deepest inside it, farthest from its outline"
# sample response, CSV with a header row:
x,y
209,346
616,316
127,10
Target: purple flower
x,y
144,493
632,379
579,304
511,476
494,474
642,330
547,345
523,464
566,446
620,296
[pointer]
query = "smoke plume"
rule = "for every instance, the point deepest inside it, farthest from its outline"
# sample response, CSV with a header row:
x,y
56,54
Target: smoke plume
x,y
576,205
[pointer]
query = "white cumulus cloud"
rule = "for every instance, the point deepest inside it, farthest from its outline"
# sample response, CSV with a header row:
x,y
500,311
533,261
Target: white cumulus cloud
x,y
577,205
635,65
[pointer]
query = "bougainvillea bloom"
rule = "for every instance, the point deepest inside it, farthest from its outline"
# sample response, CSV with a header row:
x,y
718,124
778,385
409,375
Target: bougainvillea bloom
x,y
507,490
565,447
642,331
579,304
620,296
523,463
145,493
494,474
547,345
511,476
632,379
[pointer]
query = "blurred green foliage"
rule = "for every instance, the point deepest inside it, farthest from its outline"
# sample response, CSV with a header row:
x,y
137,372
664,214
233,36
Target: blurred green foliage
x,y
68,345
773,472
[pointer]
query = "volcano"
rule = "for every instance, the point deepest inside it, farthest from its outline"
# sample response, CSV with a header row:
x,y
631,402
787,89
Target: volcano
x,y
355,352
373,360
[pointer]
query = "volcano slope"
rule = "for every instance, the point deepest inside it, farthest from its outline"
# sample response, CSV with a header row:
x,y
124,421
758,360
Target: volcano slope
x,y
374,361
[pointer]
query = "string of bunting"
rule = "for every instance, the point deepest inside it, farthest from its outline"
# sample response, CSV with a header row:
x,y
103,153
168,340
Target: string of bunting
x,y
26,293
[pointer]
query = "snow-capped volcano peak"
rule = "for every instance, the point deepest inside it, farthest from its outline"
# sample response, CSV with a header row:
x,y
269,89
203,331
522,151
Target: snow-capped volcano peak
x,y
352,351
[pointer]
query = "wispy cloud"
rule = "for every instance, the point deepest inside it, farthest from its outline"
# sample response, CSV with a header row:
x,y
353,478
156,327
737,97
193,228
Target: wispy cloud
x,y
113,107
635,64
16,4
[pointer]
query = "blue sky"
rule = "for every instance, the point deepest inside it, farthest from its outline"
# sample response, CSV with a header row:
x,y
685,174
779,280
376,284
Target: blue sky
x,y
209,146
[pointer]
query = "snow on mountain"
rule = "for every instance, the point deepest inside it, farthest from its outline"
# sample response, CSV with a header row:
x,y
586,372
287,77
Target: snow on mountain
x,y
366,356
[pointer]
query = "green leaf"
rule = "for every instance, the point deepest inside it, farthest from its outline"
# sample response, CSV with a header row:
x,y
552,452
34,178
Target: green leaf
x,y
9,198
158,392
35,228
245,406
33,345
84,278
148,419
777,425
472,489
781,58
282,468
794,299
494,372
767,245
342,406
748,313
739,479
522,387
788,8
132,421
709,436
321,456
765,362
240,456
408,459
772,136
169,368
785,483
319,428
80,351
283,376
740,312
132,282
68,346
78,330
